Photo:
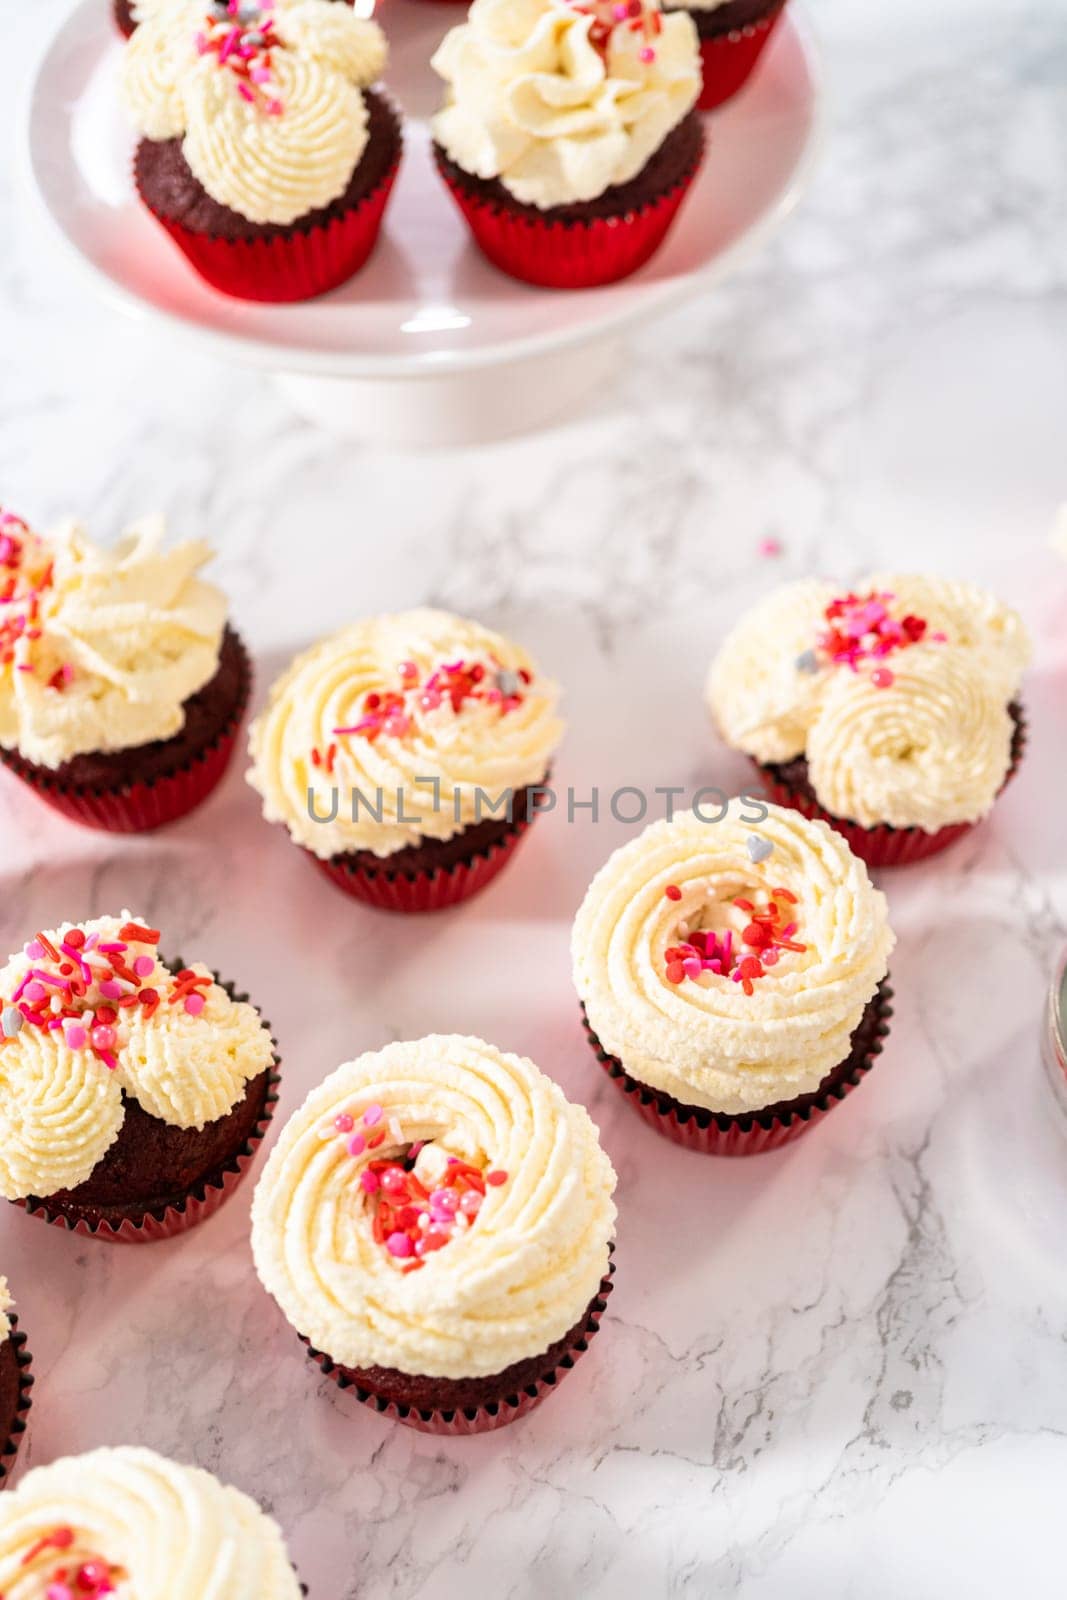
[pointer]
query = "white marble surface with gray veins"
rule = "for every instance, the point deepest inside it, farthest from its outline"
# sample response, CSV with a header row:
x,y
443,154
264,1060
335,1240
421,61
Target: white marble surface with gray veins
x,y
837,1370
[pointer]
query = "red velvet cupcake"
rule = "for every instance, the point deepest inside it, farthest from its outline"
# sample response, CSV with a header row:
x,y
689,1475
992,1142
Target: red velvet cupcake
x,y
569,157
732,975
408,756
16,1383
122,686
733,36
168,1080
436,1222
890,711
272,175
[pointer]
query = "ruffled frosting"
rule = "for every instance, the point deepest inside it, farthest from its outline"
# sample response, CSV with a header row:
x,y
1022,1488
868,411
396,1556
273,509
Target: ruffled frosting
x,y
104,646
562,102
164,1530
278,143
61,1099
506,1289
705,1041
443,771
929,747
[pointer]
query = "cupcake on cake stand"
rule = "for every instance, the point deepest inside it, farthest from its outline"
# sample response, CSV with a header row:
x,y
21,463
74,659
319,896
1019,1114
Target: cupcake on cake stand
x,y
429,344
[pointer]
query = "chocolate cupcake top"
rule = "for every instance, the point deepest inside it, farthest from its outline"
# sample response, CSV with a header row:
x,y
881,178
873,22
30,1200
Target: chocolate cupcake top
x,y
89,1013
897,692
100,648
401,728
728,962
564,99
266,98
131,1524
437,1207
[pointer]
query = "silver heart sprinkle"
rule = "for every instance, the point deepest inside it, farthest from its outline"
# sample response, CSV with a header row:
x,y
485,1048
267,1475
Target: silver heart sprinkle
x,y
807,661
11,1022
758,849
508,682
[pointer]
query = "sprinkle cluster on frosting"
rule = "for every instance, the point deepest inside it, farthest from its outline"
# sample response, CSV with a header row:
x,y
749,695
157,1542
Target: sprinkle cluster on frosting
x,y
26,574
265,98
242,39
473,1235
81,986
860,628
768,932
916,733
88,1579
90,1015
420,1203
636,16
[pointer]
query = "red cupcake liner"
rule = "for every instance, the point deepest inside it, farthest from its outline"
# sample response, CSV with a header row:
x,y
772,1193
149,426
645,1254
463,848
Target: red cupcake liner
x,y
483,1418
296,265
423,891
202,1201
728,61
885,846
141,807
9,1449
567,255
713,1133
123,20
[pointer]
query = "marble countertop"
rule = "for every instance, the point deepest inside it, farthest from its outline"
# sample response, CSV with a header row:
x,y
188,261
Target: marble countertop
x,y
837,1370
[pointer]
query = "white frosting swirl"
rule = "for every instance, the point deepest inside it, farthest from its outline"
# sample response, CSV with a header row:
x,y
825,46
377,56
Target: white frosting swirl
x,y
929,747
705,1041
506,1289
120,640
61,1108
533,101
165,1531
287,149
478,748
7,1305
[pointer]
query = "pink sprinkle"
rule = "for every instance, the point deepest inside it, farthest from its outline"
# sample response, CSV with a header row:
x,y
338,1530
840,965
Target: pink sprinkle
x,y
408,671
275,108
35,993
91,943
769,548
647,54
398,1244
112,949
59,1591
194,1004
357,1145
260,74
371,1116
939,637
111,990
471,1203
369,1182
445,1200
109,1060
496,1178
343,1122
7,548
34,951
76,1036
245,92
413,1153
882,678
143,966
103,1037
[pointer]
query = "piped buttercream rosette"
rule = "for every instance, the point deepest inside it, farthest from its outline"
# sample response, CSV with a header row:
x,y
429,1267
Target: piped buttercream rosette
x,y
675,919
